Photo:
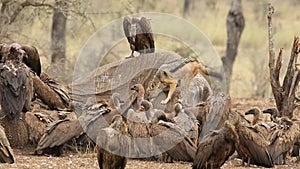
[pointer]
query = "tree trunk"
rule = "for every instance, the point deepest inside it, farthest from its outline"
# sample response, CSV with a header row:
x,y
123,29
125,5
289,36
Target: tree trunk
x,y
186,7
235,26
58,40
284,94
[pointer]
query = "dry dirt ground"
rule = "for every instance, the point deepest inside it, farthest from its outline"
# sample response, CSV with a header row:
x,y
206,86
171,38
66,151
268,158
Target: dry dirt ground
x,y
24,159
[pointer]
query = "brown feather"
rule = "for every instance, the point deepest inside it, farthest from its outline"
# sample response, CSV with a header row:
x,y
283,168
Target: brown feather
x,y
139,34
6,152
33,58
59,133
16,88
253,146
112,143
216,147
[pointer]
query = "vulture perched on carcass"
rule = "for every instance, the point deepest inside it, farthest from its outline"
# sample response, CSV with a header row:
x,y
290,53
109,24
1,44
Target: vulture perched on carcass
x,y
16,85
6,152
139,35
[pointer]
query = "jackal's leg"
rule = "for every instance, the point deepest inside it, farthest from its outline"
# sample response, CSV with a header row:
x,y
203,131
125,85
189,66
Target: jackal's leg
x,y
131,56
173,85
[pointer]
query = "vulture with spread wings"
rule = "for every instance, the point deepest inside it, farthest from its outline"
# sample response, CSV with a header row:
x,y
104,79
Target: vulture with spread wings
x,y
139,35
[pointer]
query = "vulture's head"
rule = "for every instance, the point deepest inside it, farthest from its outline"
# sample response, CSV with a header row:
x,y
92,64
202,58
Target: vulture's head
x,y
16,52
273,111
138,88
253,111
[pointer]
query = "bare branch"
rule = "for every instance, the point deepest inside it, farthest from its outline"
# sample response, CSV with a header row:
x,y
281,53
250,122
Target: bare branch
x,y
25,4
278,66
284,94
270,31
37,4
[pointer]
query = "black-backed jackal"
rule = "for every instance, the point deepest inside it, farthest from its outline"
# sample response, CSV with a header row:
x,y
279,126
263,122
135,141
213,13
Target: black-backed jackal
x,y
176,73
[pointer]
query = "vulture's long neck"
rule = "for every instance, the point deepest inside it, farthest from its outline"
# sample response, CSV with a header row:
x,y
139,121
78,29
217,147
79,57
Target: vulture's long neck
x,y
256,118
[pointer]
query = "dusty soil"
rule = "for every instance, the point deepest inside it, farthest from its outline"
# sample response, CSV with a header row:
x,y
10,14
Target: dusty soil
x,y
25,159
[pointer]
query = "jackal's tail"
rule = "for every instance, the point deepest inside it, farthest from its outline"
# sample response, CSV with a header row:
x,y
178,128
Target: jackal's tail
x,y
207,71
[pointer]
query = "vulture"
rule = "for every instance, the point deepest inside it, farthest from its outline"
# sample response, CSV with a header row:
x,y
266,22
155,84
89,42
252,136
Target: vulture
x,y
61,90
171,138
139,35
37,121
112,143
16,85
187,121
217,112
6,152
150,111
139,89
100,115
115,102
262,127
139,131
283,137
216,147
32,58
274,113
252,146
57,134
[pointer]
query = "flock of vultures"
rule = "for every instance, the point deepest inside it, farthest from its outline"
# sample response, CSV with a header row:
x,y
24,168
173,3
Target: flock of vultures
x,y
171,113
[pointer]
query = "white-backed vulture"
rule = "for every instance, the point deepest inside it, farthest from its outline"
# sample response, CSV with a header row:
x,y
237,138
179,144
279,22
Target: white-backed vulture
x,y
262,127
139,88
216,147
37,121
274,113
283,139
57,134
218,110
169,137
16,86
115,102
94,118
187,121
139,35
283,136
112,143
6,152
252,146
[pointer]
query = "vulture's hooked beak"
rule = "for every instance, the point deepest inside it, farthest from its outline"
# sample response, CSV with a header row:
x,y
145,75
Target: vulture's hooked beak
x,y
269,111
23,53
133,88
